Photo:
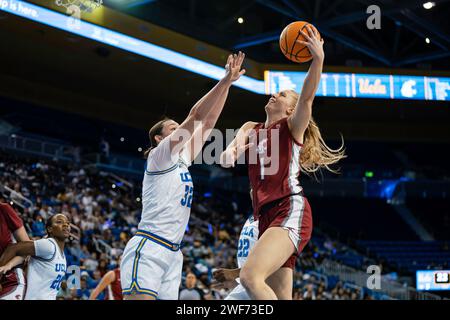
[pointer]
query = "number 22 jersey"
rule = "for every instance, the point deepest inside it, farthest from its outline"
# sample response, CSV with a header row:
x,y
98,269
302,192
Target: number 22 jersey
x,y
46,271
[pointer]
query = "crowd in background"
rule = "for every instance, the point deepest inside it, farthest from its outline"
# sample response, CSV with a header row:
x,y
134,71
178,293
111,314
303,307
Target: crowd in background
x,y
105,213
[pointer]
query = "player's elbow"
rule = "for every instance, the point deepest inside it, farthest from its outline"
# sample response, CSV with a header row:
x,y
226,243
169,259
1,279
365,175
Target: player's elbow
x,y
194,115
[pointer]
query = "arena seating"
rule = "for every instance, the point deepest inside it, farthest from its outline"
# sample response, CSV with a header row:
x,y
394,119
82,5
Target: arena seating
x,y
410,255
106,209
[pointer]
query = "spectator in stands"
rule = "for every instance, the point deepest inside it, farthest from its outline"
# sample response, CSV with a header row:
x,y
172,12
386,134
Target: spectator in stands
x,y
83,293
309,294
91,263
191,292
38,226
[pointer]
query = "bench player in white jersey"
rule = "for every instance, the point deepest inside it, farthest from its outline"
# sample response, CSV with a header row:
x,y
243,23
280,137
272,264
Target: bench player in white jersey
x,y
152,261
229,278
47,266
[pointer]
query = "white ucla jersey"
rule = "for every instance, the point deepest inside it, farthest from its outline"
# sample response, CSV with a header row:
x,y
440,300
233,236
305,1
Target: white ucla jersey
x,y
46,271
167,192
247,240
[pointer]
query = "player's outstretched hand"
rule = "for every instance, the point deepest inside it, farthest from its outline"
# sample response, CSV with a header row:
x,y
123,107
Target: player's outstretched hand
x,y
229,157
4,269
314,43
225,279
223,275
233,67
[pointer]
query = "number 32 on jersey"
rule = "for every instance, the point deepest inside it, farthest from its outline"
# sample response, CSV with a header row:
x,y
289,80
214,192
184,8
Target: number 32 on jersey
x,y
188,189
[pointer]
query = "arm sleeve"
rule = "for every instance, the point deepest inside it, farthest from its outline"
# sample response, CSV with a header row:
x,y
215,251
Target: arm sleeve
x,y
44,249
161,158
11,217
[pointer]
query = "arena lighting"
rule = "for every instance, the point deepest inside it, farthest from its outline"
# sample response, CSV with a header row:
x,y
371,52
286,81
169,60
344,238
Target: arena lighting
x,y
369,174
240,20
427,40
122,41
347,85
429,5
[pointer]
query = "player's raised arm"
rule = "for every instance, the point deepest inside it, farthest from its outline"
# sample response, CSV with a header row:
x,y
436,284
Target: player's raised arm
x,y
207,110
299,120
201,133
107,279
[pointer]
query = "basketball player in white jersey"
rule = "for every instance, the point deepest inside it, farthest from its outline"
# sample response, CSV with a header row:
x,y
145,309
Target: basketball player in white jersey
x,y
229,278
47,266
152,261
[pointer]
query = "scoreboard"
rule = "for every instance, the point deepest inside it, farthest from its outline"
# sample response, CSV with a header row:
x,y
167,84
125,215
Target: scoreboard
x,y
428,280
359,85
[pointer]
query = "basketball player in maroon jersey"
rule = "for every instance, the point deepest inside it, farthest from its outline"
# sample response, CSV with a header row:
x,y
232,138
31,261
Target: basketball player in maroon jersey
x,y
12,283
284,214
111,282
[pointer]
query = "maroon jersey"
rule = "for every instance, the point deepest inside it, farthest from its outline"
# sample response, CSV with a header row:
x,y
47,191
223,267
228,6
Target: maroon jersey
x,y
9,223
274,174
115,289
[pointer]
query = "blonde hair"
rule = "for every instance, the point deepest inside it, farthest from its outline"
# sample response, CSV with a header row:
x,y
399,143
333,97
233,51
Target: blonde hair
x,y
316,154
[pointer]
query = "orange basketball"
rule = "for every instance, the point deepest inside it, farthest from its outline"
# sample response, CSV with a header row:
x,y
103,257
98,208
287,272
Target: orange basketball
x,y
292,50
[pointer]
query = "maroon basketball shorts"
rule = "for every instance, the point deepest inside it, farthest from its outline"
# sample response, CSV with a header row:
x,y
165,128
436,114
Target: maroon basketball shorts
x,y
13,285
292,213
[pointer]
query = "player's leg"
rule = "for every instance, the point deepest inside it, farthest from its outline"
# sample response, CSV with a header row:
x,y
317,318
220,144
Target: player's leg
x,y
270,253
141,269
170,286
281,283
298,223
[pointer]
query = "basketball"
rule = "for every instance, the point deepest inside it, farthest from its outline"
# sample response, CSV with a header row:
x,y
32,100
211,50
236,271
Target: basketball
x,y
292,50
